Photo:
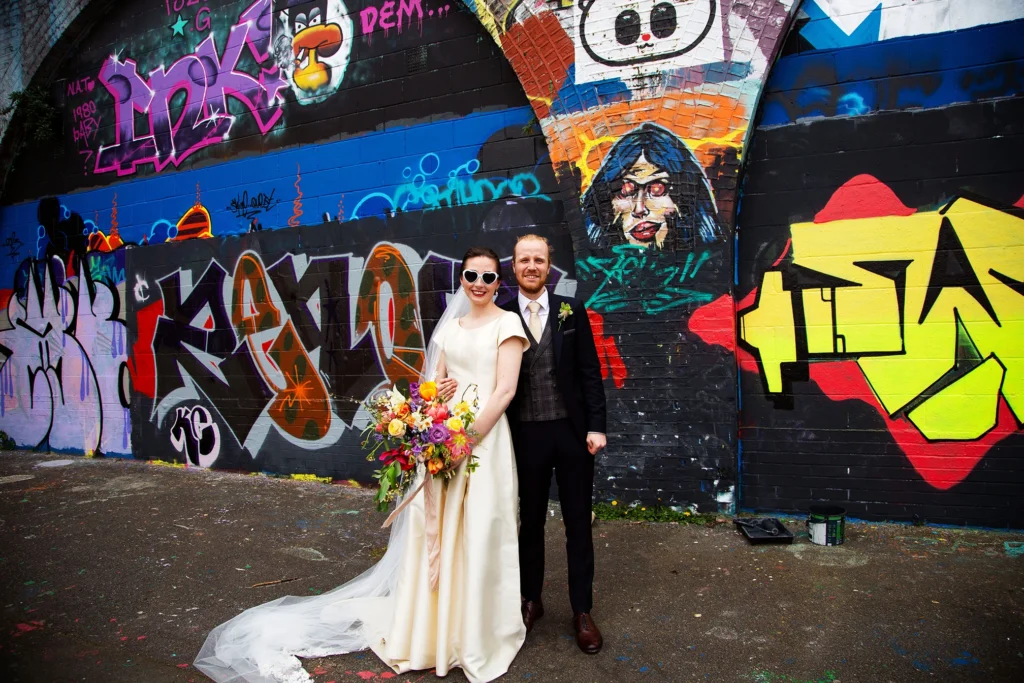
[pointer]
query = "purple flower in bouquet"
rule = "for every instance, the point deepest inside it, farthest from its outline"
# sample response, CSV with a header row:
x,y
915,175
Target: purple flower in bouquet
x,y
414,390
438,434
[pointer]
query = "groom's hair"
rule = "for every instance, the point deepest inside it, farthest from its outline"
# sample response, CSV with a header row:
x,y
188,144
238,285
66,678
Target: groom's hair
x,y
539,238
474,252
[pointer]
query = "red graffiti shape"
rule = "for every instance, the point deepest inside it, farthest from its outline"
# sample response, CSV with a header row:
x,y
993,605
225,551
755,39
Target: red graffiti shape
x,y
715,324
142,363
862,196
542,70
25,628
607,351
942,464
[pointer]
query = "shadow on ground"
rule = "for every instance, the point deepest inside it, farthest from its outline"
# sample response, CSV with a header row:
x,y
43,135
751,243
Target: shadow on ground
x,y
115,570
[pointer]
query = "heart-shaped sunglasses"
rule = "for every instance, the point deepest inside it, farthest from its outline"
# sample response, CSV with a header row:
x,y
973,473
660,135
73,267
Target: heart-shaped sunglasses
x,y
489,277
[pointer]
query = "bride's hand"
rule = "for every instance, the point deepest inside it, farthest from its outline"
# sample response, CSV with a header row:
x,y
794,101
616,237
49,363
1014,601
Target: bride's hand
x,y
446,389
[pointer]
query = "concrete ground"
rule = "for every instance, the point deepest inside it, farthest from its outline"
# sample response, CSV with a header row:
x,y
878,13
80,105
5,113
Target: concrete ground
x,y
115,570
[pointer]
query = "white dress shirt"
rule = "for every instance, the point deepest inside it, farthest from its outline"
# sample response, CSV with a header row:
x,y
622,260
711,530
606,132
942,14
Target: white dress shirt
x,y
545,307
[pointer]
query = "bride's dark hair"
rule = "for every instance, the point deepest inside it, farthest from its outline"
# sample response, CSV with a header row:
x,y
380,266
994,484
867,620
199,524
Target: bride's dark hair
x,y
487,252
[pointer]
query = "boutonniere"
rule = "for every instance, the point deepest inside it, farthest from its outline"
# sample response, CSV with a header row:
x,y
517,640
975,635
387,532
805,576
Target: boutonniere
x,y
564,311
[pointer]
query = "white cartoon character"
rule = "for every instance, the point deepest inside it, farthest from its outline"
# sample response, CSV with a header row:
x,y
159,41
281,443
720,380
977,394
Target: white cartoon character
x,y
312,46
645,36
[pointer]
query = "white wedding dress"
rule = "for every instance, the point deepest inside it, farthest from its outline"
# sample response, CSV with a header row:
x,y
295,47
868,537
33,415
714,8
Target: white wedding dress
x,y
472,621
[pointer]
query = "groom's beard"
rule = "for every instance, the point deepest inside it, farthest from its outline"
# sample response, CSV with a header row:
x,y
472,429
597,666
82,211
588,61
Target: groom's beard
x,y
533,289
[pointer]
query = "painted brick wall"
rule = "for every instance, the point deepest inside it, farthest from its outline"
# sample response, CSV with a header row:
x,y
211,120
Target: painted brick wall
x,y
646,107
185,131
881,251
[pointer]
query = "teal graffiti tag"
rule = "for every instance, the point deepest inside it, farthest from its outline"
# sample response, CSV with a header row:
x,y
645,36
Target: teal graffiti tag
x,y
462,187
636,274
104,268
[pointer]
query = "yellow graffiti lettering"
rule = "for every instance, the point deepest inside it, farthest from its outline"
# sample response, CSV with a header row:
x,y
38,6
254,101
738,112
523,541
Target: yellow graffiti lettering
x,y
930,305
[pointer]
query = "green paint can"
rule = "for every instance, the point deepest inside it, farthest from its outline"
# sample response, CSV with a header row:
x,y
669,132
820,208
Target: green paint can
x,y
826,524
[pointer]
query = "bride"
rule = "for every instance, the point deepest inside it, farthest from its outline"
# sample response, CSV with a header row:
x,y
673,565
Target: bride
x,y
461,538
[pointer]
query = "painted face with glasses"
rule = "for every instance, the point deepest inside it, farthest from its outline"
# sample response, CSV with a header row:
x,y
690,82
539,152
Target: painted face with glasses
x,y
480,279
643,205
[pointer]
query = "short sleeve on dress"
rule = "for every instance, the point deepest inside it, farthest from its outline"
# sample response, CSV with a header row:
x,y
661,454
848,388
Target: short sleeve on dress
x,y
437,337
510,325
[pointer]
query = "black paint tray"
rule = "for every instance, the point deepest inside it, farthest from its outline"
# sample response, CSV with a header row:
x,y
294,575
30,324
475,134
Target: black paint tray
x,y
758,530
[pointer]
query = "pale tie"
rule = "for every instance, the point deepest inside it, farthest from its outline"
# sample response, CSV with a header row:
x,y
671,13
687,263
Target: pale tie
x,y
534,321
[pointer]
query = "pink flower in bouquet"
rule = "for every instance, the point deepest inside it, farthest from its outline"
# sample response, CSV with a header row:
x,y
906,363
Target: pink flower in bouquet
x,y
438,412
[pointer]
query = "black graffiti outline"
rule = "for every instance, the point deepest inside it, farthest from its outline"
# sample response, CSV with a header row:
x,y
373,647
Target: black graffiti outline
x,y
13,246
244,207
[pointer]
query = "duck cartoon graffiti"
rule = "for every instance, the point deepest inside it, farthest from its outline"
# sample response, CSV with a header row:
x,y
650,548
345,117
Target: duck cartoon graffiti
x,y
313,45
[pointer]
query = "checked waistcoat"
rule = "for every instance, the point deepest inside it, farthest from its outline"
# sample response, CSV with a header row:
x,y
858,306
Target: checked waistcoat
x,y
539,397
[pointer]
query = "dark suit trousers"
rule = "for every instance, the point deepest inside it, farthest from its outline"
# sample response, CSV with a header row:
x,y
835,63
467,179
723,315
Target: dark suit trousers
x,y
540,448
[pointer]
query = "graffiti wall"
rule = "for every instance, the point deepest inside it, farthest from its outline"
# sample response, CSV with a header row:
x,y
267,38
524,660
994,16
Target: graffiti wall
x,y
646,108
256,351
228,120
189,122
880,305
231,170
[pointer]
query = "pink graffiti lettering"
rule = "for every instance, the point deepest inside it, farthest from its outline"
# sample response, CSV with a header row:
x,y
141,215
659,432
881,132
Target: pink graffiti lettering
x,y
208,79
385,16
81,86
203,19
180,5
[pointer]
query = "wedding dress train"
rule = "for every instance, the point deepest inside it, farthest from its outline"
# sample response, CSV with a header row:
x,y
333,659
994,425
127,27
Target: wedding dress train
x,y
472,621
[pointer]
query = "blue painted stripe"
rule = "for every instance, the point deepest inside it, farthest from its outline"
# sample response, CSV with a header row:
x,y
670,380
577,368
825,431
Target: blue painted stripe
x,y
355,167
922,72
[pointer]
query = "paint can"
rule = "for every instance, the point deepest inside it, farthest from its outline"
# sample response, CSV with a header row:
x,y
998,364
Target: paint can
x,y
826,524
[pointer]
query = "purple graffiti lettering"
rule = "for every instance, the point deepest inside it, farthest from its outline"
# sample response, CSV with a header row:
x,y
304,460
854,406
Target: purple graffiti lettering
x,y
175,141
208,78
131,94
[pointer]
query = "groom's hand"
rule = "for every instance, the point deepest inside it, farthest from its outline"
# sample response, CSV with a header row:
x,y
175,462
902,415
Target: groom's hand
x,y
446,389
596,442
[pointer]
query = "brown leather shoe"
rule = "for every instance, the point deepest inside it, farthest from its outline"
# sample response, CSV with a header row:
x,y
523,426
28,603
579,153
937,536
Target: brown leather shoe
x,y
532,611
588,637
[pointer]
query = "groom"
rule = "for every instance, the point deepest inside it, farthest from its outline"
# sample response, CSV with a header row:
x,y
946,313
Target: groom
x,y
558,423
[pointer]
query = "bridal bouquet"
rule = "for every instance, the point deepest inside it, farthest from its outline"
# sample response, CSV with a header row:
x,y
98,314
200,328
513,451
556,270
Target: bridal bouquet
x,y
417,428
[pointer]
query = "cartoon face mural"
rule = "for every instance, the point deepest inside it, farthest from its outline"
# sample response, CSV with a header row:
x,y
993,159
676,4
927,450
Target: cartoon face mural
x,y
312,46
643,30
645,39
650,190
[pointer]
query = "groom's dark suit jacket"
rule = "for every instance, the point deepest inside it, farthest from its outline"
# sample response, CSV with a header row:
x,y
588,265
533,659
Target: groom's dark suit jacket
x,y
577,368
